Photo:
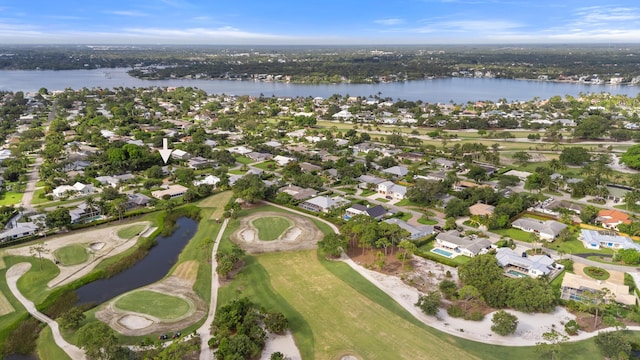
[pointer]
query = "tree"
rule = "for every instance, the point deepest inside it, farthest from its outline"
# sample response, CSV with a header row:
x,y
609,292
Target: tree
x,y
596,301
571,327
613,345
468,293
504,323
409,249
72,318
333,245
427,192
250,188
448,288
588,213
629,256
593,127
521,157
575,155
477,174
38,250
58,218
429,303
276,323
98,341
277,356
551,344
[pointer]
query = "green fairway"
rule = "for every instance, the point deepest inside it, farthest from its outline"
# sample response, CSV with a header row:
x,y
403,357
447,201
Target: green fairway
x,y
71,254
47,348
271,227
342,320
153,303
131,231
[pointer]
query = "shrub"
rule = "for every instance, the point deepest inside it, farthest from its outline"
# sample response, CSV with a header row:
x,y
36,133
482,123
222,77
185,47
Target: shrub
x,y
448,288
475,316
504,323
455,311
571,327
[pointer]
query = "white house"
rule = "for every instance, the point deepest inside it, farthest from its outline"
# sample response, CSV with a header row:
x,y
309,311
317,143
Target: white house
x,y
461,245
283,160
548,230
209,180
391,190
532,266
596,239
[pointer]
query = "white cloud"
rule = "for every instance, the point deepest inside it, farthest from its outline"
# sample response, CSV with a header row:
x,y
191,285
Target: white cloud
x,y
128,13
389,22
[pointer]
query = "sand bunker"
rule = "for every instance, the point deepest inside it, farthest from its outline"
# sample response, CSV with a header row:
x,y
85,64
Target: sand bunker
x,y
302,235
97,246
135,322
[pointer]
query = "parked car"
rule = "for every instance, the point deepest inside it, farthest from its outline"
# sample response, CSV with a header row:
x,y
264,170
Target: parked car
x,y
176,335
163,337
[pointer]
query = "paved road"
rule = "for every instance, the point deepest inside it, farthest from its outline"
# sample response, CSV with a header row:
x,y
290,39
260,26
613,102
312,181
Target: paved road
x,y
205,330
13,274
34,175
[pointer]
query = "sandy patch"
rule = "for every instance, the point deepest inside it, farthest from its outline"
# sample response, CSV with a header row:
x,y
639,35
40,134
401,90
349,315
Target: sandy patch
x,y
97,246
135,322
302,235
530,327
282,343
92,238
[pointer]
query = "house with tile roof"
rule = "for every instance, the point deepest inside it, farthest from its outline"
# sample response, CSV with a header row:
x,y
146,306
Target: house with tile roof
x,y
610,218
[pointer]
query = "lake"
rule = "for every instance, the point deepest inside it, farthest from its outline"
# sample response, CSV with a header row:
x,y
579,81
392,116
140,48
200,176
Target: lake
x,y
150,269
458,90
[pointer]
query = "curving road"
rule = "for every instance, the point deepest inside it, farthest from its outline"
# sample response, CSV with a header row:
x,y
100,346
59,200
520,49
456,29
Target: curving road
x,y
13,274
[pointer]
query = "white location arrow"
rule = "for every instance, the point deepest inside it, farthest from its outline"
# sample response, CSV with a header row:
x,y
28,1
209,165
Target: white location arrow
x,y
165,152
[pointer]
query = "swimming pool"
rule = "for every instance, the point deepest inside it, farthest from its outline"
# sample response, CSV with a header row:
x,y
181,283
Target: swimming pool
x,y
442,252
516,273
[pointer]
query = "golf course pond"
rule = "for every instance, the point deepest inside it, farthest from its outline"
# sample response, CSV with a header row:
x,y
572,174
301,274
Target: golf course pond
x,y
153,267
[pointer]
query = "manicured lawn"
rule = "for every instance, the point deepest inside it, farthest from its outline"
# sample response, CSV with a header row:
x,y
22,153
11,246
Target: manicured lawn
x,y
244,160
8,198
407,202
131,231
596,273
37,199
153,303
271,227
237,172
344,321
47,348
267,165
382,200
406,216
427,221
366,193
515,234
71,255
574,247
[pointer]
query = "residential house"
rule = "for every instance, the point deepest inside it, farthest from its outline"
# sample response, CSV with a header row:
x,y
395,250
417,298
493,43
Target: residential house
x,y
391,190
461,185
173,191
77,188
84,213
259,156
433,176
548,230
136,200
297,192
377,212
575,286
368,181
180,154
444,163
415,232
240,150
20,230
397,171
273,144
516,265
522,175
209,180
308,167
597,239
480,209
323,203
461,245
610,219
198,162
283,160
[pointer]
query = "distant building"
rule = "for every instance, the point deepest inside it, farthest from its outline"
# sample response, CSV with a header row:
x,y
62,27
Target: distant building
x,y
173,191
415,232
377,212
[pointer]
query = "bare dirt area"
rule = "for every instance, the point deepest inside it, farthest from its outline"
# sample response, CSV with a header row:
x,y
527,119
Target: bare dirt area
x,y
100,242
302,235
137,324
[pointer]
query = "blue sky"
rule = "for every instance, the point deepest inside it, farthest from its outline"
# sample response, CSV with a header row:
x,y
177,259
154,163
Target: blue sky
x,y
272,22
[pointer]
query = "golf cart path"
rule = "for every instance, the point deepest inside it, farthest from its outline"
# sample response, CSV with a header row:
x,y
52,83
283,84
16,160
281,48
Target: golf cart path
x,y
13,274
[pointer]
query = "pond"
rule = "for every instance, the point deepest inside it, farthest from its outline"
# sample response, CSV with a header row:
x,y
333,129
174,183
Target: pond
x,y
21,357
150,269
